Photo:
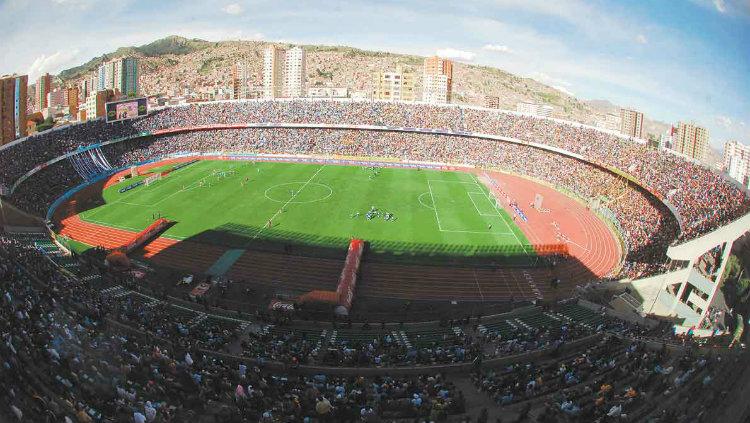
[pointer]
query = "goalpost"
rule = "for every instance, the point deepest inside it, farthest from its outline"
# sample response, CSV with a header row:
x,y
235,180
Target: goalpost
x,y
151,179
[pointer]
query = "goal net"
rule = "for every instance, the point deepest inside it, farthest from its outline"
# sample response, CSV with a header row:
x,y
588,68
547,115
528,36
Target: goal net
x,y
151,179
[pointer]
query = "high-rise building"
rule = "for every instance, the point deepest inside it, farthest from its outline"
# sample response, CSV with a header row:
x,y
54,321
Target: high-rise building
x,y
13,91
120,75
737,160
394,86
87,85
294,72
437,84
43,87
127,74
631,123
273,69
105,77
73,101
240,81
691,140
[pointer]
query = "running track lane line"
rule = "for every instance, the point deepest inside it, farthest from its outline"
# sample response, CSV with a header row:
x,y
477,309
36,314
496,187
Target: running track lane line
x,y
474,271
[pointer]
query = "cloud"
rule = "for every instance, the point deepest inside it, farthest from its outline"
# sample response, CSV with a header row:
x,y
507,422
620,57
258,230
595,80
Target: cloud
x,y
564,89
211,34
233,9
53,63
724,121
80,4
720,6
497,48
550,80
452,53
641,39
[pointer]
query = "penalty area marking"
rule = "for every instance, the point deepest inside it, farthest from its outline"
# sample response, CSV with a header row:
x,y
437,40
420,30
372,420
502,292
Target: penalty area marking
x,y
330,192
422,202
437,216
507,225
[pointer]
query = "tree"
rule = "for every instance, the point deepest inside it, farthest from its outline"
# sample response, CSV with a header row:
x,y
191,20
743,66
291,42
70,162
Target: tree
x,y
47,124
733,269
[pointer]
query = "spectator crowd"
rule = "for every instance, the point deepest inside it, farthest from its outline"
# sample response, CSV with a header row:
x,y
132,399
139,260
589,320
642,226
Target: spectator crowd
x,y
702,198
70,353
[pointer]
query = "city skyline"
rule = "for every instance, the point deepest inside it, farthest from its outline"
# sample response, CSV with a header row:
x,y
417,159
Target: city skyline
x,y
674,62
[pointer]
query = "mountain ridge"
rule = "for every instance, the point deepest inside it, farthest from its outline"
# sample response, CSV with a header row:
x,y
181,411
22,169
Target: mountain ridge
x,y
172,63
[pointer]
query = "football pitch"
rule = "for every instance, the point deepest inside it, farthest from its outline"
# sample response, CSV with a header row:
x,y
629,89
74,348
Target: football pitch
x,y
396,210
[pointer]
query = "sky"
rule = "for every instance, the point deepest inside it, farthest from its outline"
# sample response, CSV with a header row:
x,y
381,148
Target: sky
x,y
674,60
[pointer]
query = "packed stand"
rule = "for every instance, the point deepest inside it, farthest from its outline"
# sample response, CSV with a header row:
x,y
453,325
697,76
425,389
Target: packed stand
x,y
703,198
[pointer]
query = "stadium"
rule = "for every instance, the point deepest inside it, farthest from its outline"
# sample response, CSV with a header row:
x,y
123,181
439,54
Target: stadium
x,y
383,240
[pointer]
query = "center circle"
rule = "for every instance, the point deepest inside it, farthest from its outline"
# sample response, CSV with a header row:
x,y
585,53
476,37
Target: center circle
x,y
298,192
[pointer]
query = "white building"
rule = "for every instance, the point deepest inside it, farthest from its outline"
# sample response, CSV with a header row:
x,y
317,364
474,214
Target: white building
x,y
738,169
328,92
609,122
273,69
294,73
665,140
435,89
105,76
543,110
737,160
92,111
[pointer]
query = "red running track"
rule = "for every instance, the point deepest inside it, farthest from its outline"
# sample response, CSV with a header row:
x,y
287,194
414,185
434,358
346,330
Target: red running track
x,y
564,220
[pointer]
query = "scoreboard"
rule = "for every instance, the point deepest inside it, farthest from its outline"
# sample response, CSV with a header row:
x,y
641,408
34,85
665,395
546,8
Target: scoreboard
x,y
126,109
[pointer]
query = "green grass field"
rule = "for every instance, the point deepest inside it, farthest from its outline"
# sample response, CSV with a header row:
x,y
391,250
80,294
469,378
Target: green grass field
x,y
434,212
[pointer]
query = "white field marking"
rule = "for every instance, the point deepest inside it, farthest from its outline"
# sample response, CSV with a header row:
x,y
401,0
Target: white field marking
x,y
283,206
330,193
503,219
185,189
122,200
478,232
452,182
132,204
434,206
189,187
496,214
487,232
422,203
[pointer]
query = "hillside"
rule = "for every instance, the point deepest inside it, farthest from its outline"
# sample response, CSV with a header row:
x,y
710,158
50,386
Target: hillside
x,y
170,45
174,64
